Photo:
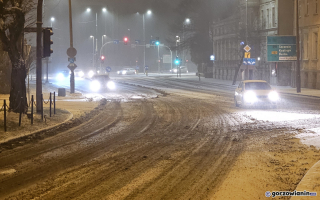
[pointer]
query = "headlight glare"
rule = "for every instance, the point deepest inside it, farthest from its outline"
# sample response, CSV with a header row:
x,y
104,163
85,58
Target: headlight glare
x,y
60,77
250,97
111,85
90,74
273,96
95,86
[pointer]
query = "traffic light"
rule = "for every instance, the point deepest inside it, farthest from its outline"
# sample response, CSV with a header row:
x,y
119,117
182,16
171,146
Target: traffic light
x,y
125,40
47,42
157,43
102,59
177,61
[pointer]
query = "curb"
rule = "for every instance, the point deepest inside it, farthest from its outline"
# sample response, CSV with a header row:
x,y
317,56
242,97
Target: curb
x,y
38,131
308,178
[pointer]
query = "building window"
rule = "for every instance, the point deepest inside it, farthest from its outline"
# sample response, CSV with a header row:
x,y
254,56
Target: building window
x,y
305,46
262,20
273,17
315,45
299,8
268,17
316,7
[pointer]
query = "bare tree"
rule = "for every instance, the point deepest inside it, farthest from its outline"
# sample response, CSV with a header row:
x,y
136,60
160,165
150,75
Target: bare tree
x,y
12,21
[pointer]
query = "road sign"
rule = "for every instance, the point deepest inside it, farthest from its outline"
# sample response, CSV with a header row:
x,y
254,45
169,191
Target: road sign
x,y
71,52
249,61
247,48
152,41
71,60
281,48
72,66
108,69
247,54
115,41
166,58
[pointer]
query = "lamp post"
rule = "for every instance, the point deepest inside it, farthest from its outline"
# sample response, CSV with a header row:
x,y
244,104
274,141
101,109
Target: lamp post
x,y
144,40
102,39
186,22
177,40
92,51
52,20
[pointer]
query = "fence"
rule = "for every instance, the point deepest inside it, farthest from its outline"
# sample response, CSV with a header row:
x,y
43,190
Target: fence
x,y
5,108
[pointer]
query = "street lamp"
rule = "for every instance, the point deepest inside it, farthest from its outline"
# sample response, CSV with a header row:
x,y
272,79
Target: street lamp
x,y
187,20
92,51
104,9
144,40
52,20
88,9
177,40
102,39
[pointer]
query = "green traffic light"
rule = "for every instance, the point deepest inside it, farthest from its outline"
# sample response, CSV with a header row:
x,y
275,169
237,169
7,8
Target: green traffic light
x,y
157,43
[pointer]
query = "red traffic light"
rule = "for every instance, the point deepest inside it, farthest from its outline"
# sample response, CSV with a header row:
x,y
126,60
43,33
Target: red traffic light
x,y
125,39
102,57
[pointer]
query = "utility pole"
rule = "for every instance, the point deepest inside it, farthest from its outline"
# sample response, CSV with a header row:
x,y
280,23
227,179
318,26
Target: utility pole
x,y
71,52
39,57
298,77
247,74
144,48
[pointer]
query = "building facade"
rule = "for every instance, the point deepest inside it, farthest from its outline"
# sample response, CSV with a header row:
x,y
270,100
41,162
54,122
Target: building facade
x,y
255,20
309,24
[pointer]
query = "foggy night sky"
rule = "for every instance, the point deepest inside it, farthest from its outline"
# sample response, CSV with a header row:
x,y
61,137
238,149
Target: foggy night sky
x,y
121,15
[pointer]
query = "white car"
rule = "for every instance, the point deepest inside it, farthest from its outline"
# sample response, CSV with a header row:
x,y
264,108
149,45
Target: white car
x,y
255,92
126,71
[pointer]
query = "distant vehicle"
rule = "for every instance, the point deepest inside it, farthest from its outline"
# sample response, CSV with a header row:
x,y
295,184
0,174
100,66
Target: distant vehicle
x,y
99,82
63,75
182,68
126,71
78,73
255,92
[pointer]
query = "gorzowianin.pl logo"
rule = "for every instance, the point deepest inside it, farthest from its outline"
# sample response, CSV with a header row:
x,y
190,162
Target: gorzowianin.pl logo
x,y
288,193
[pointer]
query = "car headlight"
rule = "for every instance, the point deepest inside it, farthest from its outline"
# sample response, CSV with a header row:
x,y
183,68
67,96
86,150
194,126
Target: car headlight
x,y
111,85
60,77
81,74
273,96
250,97
90,74
95,86
124,72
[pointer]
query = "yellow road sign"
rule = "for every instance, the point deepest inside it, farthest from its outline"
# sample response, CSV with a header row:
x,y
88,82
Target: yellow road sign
x,y
247,54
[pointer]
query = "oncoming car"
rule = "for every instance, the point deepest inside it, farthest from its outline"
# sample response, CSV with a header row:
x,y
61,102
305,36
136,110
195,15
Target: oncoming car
x,y
126,71
78,73
255,92
182,68
62,75
100,82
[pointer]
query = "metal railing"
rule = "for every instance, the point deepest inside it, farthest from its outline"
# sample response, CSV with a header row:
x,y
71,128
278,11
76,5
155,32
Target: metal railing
x,y
5,108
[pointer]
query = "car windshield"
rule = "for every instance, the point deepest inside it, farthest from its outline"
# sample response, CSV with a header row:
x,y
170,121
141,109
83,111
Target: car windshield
x,y
257,86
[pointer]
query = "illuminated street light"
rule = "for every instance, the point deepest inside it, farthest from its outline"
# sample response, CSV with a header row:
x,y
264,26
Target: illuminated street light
x,y
104,9
88,9
188,20
52,20
149,12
